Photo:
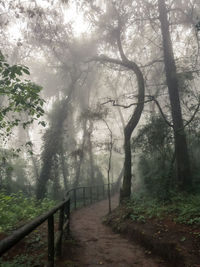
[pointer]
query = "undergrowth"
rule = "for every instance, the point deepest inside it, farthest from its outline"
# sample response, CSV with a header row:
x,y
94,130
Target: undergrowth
x,y
23,260
16,209
183,209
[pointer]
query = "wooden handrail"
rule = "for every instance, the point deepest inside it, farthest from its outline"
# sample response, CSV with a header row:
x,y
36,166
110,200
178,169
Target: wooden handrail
x,y
63,225
8,242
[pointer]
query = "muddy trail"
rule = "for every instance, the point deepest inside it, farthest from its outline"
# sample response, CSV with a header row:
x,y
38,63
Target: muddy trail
x,y
97,245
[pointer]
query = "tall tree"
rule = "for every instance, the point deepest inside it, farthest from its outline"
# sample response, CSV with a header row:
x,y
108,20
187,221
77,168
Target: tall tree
x,y
133,121
53,138
181,149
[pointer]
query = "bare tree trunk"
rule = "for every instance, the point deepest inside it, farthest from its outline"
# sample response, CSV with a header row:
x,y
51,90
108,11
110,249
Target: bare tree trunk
x,y
114,91
113,88
120,178
81,155
181,149
56,183
125,192
109,164
35,167
64,169
91,159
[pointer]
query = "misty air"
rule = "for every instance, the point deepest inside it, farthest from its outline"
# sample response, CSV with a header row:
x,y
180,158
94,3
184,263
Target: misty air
x,y
100,133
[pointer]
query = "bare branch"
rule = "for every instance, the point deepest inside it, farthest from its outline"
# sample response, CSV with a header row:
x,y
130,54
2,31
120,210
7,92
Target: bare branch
x,y
152,62
161,112
193,116
151,98
115,104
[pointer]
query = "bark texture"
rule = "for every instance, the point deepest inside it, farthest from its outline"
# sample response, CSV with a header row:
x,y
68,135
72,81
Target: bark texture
x,y
181,149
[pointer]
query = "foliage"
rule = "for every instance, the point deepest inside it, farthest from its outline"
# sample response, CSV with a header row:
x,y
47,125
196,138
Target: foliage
x,y
15,209
193,134
183,208
23,260
154,175
156,159
198,26
19,96
154,136
13,171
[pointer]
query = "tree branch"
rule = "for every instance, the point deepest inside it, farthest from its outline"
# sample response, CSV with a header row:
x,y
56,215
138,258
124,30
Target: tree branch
x,y
161,112
115,104
193,116
151,98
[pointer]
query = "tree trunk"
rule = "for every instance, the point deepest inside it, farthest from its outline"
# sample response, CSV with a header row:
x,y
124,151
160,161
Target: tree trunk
x,y
52,145
81,156
181,150
56,184
125,192
35,167
91,159
120,177
64,169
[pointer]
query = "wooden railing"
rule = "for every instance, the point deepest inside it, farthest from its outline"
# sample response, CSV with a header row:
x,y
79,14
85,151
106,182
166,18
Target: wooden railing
x,y
84,195
75,198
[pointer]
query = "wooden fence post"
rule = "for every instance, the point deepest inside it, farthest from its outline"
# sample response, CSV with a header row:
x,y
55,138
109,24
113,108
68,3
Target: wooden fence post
x,y
103,191
75,198
84,196
91,195
68,217
97,192
60,232
51,241
109,199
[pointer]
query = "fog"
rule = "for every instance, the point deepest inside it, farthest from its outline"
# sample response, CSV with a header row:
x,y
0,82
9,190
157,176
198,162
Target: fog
x,y
79,53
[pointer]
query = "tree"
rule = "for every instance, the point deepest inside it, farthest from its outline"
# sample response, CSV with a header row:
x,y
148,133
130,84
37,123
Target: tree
x,y
110,148
133,121
53,138
181,150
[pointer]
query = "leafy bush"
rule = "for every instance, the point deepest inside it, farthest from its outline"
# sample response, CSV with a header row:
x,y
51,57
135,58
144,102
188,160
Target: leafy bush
x,y
15,209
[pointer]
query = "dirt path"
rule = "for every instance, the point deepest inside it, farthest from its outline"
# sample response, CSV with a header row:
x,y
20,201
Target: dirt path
x,y
100,246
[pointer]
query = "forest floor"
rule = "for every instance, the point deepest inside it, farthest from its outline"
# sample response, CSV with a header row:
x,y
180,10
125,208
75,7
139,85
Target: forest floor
x,y
93,243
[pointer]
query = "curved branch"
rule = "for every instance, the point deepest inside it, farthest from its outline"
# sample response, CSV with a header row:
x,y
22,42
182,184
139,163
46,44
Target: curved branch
x,y
133,121
119,44
151,98
161,112
193,116
141,89
115,104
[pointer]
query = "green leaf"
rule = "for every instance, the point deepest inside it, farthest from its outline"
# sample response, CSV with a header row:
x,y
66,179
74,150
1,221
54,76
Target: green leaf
x,y
183,239
43,123
26,71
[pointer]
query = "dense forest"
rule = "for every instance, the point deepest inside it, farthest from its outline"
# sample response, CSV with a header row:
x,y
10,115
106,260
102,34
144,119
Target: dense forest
x,y
100,92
